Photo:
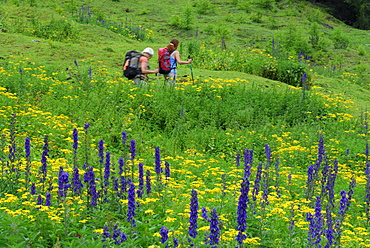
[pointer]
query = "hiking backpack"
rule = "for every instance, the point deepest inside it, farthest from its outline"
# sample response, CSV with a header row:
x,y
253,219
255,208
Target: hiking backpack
x,y
133,68
164,60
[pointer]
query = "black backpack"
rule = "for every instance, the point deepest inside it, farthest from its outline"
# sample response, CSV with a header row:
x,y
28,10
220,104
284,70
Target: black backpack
x,y
133,68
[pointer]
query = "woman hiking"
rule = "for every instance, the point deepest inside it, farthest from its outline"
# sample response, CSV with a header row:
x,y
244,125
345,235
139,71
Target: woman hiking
x,y
174,59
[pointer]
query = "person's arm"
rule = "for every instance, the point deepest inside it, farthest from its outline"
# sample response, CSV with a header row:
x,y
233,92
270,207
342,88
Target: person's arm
x,y
144,66
176,54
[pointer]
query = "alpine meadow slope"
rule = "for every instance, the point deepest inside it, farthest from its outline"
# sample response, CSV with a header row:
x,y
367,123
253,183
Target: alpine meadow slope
x,y
263,142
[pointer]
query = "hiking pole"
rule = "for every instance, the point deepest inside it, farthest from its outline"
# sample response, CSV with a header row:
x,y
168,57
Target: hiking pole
x,y
191,69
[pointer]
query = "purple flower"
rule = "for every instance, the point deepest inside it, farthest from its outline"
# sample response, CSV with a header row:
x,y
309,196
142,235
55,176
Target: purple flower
x,y
121,164
268,154
158,168
63,183
164,235
44,157
76,182
107,170
257,181
75,140
48,199
89,179
205,214
101,151
167,170
133,149
141,181
86,127
193,220
237,159
214,228
33,189
75,62
316,223
148,183
248,160
242,210
131,205
175,242
123,185
39,200
124,138
27,148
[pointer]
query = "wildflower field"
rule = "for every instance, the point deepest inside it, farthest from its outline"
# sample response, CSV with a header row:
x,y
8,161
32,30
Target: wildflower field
x,y
210,163
257,145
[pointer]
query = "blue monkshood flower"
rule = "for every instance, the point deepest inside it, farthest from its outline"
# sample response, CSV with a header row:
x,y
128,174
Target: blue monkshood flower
x,y
101,151
44,156
329,232
121,166
33,189
193,220
140,190
268,154
343,203
158,168
89,71
265,189
123,184
367,151
257,181
133,149
205,214
164,234
319,221
367,197
39,200
242,210
237,159
86,127
20,71
175,242
248,160
48,199
105,233
124,138
76,182
75,62
63,183
167,170
117,236
273,44
304,78
148,183
214,228
131,209
89,179
27,148
352,185
75,140
224,184
290,178
115,184
107,169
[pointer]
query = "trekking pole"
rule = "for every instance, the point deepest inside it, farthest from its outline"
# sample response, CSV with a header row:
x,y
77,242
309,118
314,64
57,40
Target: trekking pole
x,y
191,69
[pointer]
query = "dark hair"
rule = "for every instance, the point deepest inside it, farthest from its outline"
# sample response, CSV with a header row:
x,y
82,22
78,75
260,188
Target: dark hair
x,y
174,43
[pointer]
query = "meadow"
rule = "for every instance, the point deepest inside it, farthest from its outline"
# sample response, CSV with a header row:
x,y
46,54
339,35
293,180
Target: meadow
x,y
256,146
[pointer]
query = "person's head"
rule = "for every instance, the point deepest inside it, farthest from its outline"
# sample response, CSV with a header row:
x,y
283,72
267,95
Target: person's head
x,y
148,52
174,43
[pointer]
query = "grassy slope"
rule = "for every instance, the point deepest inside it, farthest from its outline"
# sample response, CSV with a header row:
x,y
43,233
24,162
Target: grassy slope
x,y
100,44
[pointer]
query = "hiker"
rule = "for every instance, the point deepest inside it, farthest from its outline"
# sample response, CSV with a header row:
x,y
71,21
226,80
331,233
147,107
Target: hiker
x,y
142,68
170,75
